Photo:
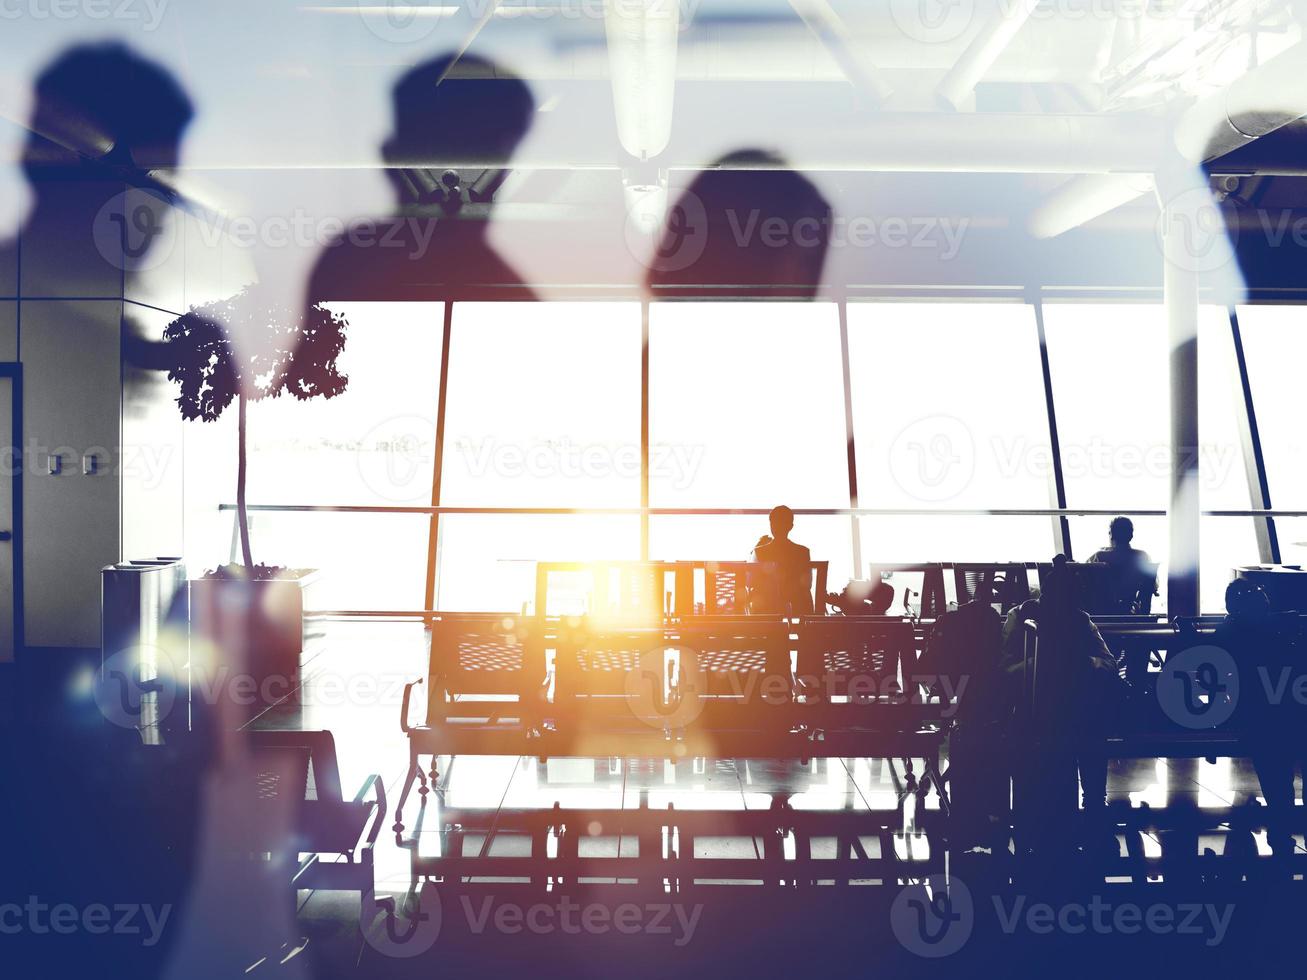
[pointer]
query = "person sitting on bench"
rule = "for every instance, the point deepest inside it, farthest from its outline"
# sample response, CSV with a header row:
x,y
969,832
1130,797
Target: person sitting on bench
x,y
1134,580
784,586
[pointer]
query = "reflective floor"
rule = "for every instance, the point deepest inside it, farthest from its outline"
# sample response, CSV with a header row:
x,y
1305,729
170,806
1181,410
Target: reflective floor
x,y
353,679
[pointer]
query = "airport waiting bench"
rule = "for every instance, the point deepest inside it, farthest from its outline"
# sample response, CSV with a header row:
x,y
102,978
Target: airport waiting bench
x,y
333,839
724,687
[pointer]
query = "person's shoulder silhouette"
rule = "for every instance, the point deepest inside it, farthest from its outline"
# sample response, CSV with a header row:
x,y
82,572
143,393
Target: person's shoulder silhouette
x,y
456,124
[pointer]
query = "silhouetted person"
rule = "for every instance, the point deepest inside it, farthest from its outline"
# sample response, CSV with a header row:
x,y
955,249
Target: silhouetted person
x,y
721,232
1267,648
1075,689
861,598
102,118
101,818
963,657
451,141
784,584
1134,577
880,599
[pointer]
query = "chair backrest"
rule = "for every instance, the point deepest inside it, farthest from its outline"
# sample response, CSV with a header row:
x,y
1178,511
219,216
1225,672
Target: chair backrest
x,y
728,585
919,589
599,662
484,654
1009,582
733,656
620,591
314,774
855,655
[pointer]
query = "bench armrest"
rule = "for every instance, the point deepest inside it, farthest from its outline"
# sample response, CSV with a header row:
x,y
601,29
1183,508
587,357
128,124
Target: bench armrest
x,y
404,726
378,789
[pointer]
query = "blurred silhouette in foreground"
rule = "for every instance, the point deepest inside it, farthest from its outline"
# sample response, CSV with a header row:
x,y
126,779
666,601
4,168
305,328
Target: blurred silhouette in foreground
x,y
745,221
451,143
1268,648
964,655
1077,691
102,819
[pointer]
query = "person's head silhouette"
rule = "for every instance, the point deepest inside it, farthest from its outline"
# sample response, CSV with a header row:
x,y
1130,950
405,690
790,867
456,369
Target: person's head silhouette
x,y
747,221
106,102
474,120
1246,600
1121,532
782,522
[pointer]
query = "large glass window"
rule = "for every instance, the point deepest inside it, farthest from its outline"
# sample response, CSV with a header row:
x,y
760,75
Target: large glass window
x,y
371,445
1275,345
1110,384
746,404
487,562
543,406
948,413
1226,542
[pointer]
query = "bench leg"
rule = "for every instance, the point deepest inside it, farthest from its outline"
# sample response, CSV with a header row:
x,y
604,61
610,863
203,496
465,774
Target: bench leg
x,y
414,772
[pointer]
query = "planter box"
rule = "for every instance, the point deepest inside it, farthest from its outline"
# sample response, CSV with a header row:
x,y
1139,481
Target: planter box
x,y
247,638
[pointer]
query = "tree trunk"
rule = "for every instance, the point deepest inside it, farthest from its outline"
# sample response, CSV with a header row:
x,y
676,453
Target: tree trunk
x,y
242,516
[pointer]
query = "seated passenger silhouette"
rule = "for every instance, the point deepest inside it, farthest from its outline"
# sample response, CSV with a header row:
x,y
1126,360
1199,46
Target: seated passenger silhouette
x,y
862,598
1268,651
452,139
784,584
1134,579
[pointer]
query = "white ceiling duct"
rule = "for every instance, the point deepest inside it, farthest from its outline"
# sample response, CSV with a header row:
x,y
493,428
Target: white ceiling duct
x,y
642,60
1269,96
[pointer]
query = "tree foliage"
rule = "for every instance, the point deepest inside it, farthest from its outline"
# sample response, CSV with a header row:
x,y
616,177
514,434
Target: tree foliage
x,y
257,345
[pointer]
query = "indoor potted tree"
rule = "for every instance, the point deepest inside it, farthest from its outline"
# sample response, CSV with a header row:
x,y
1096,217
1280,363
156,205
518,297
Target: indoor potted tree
x,y
252,346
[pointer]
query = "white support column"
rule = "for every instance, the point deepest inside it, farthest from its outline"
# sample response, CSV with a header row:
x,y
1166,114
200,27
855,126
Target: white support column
x,y
1180,292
